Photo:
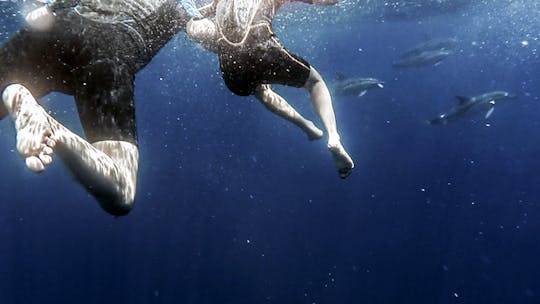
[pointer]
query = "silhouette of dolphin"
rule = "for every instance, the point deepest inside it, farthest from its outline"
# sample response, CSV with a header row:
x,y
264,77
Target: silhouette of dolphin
x,y
356,86
485,102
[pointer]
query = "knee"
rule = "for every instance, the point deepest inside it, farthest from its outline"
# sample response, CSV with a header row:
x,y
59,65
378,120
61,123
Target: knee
x,y
117,194
117,206
117,203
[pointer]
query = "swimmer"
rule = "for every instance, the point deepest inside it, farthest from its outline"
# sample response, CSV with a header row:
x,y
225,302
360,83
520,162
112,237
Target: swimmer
x,y
90,49
251,58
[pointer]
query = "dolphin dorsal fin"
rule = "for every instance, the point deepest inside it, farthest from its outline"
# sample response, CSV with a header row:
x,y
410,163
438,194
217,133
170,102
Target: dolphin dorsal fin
x,y
462,99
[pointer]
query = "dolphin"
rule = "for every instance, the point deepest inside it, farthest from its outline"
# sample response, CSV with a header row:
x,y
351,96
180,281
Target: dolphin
x,y
356,86
430,45
485,102
423,59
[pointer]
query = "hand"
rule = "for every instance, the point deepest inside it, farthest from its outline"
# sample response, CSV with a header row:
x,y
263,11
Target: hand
x,y
41,18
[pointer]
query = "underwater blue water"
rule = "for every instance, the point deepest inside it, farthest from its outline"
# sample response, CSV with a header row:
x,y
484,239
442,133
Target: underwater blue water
x,y
234,205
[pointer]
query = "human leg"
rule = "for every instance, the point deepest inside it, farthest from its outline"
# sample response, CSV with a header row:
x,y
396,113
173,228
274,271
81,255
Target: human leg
x,y
269,62
107,169
20,63
34,59
278,105
322,103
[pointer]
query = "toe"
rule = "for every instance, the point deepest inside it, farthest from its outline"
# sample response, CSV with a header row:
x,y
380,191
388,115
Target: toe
x,y
34,164
47,150
50,142
26,144
45,159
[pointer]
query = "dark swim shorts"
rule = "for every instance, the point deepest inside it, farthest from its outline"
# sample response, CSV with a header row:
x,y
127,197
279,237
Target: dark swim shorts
x,y
263,62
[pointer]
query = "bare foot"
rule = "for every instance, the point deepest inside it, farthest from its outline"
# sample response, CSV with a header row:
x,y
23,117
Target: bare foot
x,y
343,161
312,131
34,133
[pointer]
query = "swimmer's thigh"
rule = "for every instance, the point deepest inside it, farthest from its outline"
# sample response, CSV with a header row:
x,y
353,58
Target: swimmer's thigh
x,y
284,67
104,98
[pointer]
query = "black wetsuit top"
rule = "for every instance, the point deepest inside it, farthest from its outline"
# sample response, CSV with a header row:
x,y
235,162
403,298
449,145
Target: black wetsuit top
x,y
93,51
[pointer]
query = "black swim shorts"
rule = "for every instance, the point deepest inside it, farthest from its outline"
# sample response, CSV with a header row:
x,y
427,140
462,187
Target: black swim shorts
x,y
263,62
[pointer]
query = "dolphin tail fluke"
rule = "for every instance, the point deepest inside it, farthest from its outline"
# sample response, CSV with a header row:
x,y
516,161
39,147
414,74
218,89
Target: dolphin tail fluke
x,y
462,99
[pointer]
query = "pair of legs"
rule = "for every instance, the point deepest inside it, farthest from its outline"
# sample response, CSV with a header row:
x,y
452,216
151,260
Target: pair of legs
x,y
107,169
322,103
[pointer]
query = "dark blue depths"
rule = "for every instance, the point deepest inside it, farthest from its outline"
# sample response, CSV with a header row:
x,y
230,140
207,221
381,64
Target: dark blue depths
x,y
234,205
